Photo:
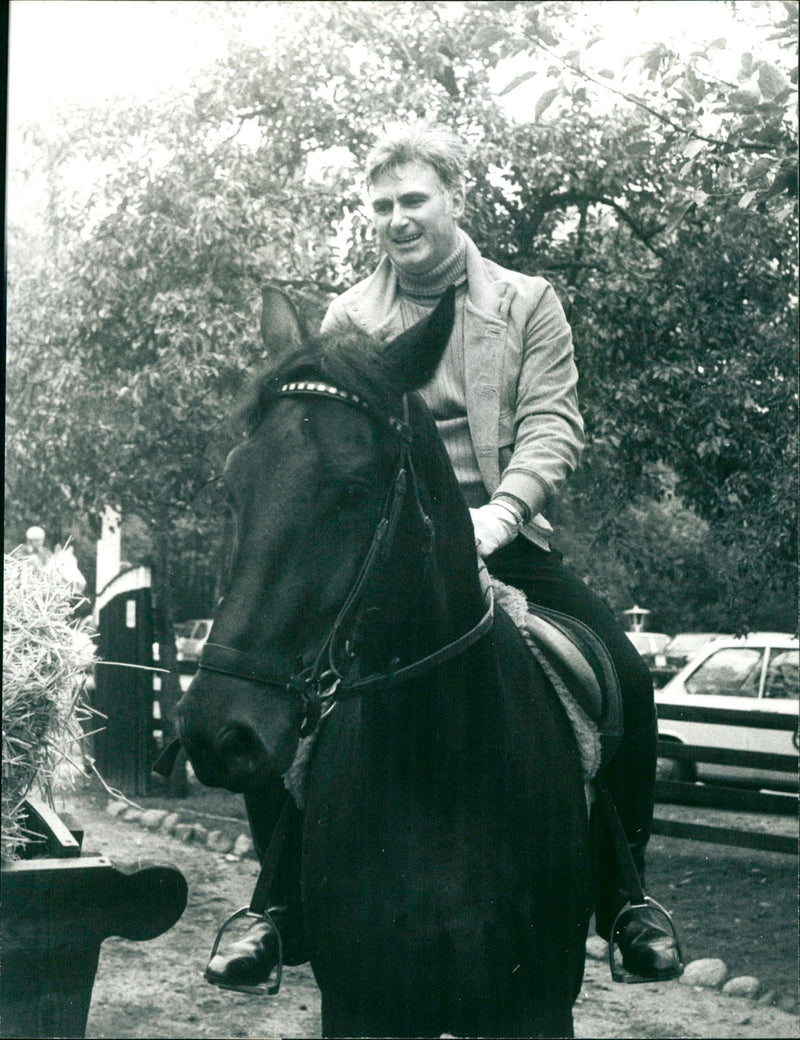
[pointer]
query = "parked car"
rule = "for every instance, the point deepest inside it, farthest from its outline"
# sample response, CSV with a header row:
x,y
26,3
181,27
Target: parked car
x,y
759,673
652,647
190,638
686,645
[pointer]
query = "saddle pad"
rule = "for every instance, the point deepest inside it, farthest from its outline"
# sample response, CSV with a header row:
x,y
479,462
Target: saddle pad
x,y
576,655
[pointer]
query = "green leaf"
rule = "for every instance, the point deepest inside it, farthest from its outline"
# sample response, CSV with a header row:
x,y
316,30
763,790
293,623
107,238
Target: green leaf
x,y
759,170
488,36
770,80
573,58
544,102
693,148
517,81
652,58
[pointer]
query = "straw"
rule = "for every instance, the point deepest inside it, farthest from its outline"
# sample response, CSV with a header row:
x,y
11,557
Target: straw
x,y
44,703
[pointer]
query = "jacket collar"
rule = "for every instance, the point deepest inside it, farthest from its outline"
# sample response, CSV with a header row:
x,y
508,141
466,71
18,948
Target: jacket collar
x,y
489,297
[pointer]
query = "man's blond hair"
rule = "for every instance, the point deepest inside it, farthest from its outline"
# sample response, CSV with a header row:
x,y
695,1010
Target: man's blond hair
x,y
435,145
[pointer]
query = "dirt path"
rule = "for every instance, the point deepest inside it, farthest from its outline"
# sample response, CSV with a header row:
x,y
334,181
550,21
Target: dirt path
x,y
155,989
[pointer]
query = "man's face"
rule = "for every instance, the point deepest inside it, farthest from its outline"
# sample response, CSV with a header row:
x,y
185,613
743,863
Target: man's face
x,y
415,217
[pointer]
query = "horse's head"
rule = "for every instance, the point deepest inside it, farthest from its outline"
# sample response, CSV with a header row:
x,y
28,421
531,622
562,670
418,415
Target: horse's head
x,y
336,490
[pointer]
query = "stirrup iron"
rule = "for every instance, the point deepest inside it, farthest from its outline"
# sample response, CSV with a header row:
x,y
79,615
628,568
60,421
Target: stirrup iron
x,y
618,972
265,989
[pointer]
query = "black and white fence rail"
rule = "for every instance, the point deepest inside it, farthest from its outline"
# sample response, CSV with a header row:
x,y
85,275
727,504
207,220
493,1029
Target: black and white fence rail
x,y
725,794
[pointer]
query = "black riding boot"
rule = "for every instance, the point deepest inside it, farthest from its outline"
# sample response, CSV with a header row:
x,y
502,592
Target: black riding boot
x,y
250,960
646,940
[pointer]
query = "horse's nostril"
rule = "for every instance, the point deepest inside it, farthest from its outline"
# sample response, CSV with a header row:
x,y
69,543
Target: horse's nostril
x,y
238,745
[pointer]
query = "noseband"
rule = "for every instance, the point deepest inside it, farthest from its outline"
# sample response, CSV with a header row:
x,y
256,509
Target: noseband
x,y
321,683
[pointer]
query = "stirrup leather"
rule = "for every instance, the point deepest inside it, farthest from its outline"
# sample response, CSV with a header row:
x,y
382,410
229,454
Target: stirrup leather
x,y
266,989
618,972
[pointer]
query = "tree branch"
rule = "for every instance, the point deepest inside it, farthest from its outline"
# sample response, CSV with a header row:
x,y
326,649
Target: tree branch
x,y
725,146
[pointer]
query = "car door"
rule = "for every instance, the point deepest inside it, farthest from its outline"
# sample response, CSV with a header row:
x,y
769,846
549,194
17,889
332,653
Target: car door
x,y
780,695
730,677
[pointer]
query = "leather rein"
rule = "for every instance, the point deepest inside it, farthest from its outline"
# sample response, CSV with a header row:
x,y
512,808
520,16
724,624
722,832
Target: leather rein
x,y
320,684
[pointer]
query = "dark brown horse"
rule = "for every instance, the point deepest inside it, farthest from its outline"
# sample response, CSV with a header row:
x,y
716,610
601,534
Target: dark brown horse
x,y
445,865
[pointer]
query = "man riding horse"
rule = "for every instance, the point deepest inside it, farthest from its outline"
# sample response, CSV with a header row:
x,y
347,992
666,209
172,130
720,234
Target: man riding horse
x,y
505,402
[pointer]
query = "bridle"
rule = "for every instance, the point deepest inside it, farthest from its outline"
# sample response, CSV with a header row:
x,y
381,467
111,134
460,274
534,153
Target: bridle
x,y
321,683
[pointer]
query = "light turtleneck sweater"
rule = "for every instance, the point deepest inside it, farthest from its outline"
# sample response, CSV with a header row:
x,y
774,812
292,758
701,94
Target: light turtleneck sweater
x,y
445,392
430,286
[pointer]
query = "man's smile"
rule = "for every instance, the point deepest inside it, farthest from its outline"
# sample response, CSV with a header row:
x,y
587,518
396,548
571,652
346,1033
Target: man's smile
x,y
415,217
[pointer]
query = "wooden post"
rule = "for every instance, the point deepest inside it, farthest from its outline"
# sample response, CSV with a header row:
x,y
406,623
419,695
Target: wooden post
x,y
124,749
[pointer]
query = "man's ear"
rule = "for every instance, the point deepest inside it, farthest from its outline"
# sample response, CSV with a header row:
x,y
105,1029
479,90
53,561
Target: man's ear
x,y
281,328
457,201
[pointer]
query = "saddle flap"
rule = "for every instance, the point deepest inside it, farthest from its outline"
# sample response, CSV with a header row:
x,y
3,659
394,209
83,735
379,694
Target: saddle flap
x,y
583,661
568,661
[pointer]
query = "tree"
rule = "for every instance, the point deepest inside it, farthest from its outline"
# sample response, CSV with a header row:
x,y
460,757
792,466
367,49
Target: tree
x,y
679,264
672,252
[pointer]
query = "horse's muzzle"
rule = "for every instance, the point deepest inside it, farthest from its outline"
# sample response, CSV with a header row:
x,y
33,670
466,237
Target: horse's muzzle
x,y
234,759
227,741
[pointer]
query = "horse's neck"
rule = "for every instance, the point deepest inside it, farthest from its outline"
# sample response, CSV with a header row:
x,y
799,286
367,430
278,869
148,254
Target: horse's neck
x,y
444,605
443,721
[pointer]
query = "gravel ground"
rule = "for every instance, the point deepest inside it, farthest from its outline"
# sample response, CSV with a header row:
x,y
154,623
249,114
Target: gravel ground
x,y
155,989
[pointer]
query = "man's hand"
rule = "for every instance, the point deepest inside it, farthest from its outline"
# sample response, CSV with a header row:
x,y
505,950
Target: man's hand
x,y
496,524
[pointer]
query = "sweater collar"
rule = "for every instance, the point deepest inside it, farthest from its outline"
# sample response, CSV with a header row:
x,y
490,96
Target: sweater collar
x,y
489,296
431,285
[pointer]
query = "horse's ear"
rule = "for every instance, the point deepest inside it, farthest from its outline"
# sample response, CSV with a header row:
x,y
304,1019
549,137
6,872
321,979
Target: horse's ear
x,y
415,354
281,328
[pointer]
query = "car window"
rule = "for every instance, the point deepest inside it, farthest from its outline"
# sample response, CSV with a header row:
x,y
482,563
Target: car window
x,y
732,672
202,630
783,674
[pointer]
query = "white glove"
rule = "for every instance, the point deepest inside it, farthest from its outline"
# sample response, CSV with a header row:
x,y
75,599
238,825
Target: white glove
x,y
496,524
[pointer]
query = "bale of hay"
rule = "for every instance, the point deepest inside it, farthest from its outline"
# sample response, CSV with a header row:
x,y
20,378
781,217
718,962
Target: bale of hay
x,y
44,705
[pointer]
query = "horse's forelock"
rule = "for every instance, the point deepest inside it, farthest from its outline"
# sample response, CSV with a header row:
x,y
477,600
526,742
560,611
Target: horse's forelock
x,y
354,363
351,363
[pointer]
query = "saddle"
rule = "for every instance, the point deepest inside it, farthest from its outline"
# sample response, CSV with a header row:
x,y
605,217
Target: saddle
x,y
582,661
577,663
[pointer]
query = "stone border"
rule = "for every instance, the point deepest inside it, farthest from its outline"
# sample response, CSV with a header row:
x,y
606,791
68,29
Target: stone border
x,y
713,973
189,831
705,973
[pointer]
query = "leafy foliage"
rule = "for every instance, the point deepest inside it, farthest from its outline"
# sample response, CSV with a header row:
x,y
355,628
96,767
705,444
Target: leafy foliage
x,y
660,199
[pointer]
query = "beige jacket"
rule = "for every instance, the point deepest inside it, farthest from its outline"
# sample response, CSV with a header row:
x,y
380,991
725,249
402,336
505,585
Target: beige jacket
x,y
520,375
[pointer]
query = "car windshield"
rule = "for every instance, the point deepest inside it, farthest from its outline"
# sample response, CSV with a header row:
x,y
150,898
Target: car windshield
x,y
730,672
